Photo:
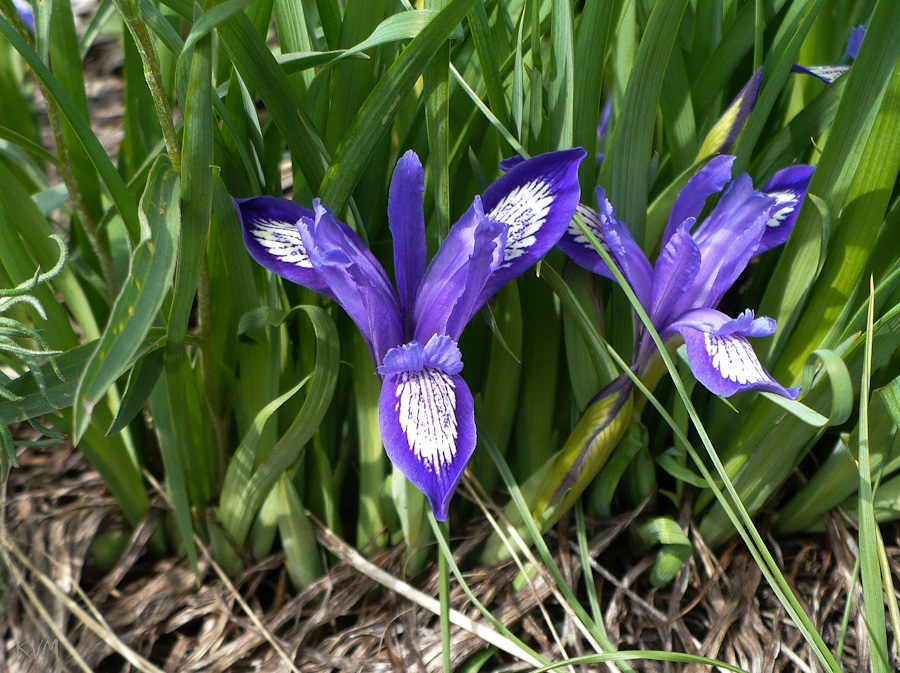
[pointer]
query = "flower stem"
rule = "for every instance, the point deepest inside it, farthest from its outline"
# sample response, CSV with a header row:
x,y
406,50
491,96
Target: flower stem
x,y
146,45
444,574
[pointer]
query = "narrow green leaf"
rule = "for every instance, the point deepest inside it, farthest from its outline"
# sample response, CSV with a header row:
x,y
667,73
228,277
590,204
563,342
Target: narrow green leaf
x,y
676,547
30,225
890,395
495,122
27,144
794,141
119,192
401,26
172,447
245,488
301,61
490,65
592,42
301,551
562,75
518,94
627,165
196,192
785,48
212,17
873,590
141,382
331,17
729,53
101,17
372,463
379,109
137,306
497,408
67,70
436,91
587,326
43,12
256,64
856,165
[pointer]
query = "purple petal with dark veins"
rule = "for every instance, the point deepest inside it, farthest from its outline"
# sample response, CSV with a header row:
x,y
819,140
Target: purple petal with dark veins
x,y
535,200
453,282
709,180
272,238
356,279
826,73
407,223
427,421
727,239
720,355
578,246
787,187
616,239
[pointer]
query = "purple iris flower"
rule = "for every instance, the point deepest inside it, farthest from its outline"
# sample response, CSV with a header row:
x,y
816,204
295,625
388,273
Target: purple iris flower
x,y
426,411
829,73
699,261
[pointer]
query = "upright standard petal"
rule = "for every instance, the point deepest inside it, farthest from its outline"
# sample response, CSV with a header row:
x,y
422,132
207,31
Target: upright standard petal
x,y
727,239
273,239
709,180
616,239
407,223
356,280
450,291
535,200
720,355
427,420
676,270
787,187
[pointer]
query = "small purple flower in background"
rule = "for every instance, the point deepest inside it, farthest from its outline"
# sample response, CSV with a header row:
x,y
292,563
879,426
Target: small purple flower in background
x,y
829,73
697,264
26,12
426,411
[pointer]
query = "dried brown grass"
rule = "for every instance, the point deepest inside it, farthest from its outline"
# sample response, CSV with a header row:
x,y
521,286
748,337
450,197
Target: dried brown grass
x,y
149,614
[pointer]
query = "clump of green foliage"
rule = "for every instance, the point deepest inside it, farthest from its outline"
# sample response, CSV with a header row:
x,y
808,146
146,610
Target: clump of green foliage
x,y
17,354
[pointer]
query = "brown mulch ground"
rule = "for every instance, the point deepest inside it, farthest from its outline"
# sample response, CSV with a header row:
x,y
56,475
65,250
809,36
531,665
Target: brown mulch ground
x,y
55,505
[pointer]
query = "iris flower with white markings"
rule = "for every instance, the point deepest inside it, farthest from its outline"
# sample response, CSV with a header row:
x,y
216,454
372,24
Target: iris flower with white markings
x,y
697,264
426,411
829,73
